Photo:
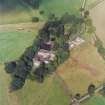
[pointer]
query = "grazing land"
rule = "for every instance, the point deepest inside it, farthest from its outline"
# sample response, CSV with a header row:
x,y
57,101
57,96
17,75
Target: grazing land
x,y
33,93
15,38
83,68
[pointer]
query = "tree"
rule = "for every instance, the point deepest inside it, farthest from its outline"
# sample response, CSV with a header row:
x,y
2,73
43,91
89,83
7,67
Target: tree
x,y
16,84
91,89
40,72
10,67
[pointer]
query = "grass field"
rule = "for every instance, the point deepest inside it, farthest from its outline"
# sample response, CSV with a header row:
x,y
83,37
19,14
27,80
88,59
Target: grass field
x,y
13,42
85,67
33,93
59,7
95,100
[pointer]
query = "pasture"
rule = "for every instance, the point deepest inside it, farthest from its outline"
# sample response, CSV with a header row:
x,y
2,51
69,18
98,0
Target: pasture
x,y
13,41
33,93
83,68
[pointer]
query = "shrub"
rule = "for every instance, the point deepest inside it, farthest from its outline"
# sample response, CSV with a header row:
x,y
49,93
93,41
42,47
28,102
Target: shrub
x,y
10,67
16,84
91,89
41,12
35,19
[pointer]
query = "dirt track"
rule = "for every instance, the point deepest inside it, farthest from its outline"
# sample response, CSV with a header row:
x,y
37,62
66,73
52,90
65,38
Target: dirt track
x,y
98,16
22,26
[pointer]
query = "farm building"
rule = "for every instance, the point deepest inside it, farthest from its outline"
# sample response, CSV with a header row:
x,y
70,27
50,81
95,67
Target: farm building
x,y
45,54
75,43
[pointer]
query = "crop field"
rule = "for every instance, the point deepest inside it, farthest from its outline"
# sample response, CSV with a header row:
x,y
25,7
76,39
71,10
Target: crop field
x,y
95,100
83,68
33,93
99,22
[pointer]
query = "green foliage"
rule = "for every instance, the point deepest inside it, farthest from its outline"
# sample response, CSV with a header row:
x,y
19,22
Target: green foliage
x,y
10,67
91,89
17,83
62,56
100,47
35,19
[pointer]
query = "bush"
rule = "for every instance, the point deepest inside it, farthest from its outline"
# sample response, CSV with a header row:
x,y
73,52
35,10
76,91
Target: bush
x,y
35,19
78,96
17,83
91,89
41,12
10,67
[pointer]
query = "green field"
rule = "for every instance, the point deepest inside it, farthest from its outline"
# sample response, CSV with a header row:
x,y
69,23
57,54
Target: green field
x,y
59,7
95,100
33,93
13,43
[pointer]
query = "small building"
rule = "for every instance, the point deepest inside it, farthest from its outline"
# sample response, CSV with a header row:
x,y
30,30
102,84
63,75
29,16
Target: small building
x,y
43,56
75,43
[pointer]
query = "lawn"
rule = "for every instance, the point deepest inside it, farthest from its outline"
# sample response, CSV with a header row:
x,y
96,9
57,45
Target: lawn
x,y
95,100
33,93
59,7
85,67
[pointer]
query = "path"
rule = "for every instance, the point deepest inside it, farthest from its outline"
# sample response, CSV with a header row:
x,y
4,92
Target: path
x,y
22,26
88,96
